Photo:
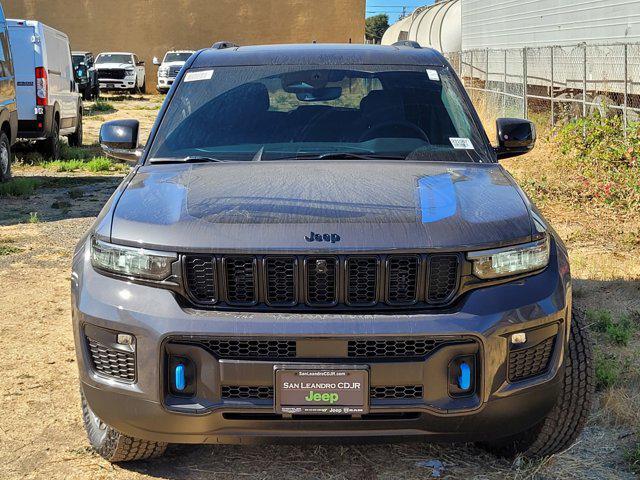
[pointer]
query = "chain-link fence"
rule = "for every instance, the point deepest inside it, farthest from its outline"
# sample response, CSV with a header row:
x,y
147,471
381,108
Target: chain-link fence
x,y
566,82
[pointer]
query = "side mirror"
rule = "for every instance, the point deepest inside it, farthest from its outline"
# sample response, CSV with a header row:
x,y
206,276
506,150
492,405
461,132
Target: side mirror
x,y
119,139
141,63
515,137
156,61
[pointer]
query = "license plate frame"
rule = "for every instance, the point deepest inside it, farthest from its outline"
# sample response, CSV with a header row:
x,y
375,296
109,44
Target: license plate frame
x,y
335,385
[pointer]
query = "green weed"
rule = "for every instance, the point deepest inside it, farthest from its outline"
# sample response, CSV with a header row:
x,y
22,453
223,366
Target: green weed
x,y
33,217
101,106
633,457
8,250
605,162
19,187
608,371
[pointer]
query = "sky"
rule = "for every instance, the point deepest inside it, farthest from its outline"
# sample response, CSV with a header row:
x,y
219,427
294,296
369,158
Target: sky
x,y
393,7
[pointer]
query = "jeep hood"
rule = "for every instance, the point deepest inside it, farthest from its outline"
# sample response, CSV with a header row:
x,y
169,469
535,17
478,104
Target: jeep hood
x,y
272,206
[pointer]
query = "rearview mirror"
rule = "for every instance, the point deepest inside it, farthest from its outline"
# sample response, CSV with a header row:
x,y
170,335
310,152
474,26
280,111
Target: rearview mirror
x,y
156,61
119,140
515,137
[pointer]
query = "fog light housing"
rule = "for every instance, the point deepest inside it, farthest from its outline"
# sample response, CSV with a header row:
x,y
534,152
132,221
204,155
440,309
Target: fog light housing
x,y
182,376
518,338
126,339
462,376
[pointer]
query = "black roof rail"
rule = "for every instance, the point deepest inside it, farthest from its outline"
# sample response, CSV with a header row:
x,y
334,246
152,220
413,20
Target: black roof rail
x,y
223,45
407,43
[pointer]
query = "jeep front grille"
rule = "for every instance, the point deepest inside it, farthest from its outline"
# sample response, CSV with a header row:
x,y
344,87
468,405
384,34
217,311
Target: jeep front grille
x,y
111,73
302,282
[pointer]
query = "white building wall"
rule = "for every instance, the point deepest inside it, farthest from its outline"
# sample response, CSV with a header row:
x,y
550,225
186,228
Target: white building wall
x,y
534,23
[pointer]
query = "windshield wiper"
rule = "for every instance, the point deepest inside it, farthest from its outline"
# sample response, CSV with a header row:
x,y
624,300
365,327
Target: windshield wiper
x,y
350,156
189,159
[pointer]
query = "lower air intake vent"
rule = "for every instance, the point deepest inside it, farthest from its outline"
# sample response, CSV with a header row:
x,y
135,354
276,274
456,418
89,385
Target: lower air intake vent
x,y
388,348
249,348
530,362
112,363
400,392
239,392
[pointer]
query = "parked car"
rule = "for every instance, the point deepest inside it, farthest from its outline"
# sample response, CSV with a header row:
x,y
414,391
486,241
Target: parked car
x,y
170,67
85,75
319,241
121,71
49,105
8,106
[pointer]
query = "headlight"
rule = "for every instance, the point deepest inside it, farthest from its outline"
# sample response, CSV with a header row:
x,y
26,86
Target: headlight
x,y
507,261
163,71
129,72
133,262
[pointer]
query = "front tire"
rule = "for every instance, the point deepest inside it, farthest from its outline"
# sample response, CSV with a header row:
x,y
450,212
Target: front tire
x,y
114,446
559,430
5,158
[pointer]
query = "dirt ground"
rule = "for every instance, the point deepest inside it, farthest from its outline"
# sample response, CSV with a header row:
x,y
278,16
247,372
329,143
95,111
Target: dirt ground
x,y
41,433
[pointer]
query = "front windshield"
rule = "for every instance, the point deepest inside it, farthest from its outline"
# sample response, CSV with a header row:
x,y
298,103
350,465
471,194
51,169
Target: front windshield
x,y
177,57
114,58
298,112
77,60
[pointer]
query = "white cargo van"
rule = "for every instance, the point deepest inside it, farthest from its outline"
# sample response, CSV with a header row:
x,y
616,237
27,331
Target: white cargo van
x,y
49,105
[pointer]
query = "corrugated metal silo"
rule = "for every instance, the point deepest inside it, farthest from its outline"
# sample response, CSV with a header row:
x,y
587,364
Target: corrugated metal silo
x,y
437,26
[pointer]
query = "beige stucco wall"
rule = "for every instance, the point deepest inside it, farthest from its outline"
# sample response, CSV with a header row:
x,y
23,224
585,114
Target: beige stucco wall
x,y
151,27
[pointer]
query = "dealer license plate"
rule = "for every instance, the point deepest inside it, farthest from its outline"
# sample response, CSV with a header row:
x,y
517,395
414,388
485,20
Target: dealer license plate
x,y
322,390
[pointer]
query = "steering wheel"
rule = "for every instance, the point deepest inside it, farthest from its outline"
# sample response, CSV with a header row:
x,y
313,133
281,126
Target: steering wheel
x,y
373,132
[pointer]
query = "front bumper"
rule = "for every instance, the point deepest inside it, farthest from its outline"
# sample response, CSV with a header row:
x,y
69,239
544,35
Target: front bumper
x,y
126,83
485,318
164,83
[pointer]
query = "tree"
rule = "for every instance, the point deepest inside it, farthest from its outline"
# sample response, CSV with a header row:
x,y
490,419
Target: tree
x,y
376,26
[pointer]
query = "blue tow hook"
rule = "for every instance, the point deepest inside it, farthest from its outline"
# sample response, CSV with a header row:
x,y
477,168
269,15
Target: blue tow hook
x,y
464,380
179,377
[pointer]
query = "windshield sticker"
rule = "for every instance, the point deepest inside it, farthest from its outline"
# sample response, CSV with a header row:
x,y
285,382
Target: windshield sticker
x,y
461,143
433,75
198,76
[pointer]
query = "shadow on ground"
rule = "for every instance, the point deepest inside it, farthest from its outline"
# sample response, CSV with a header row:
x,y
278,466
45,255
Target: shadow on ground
x,y
59,198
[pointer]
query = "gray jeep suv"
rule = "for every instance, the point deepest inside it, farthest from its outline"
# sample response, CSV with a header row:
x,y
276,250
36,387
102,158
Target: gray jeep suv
x,y
318,242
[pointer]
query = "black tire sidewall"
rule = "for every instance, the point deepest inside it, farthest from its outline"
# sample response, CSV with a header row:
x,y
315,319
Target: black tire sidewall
x,y
75,140
53,142
5,174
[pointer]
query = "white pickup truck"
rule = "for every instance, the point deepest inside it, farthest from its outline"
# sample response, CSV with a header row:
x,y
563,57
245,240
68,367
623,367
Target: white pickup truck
x,y
121,71
170,67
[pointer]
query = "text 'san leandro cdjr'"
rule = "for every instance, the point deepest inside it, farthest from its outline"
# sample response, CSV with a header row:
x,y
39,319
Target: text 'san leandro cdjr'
x,y
318,241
